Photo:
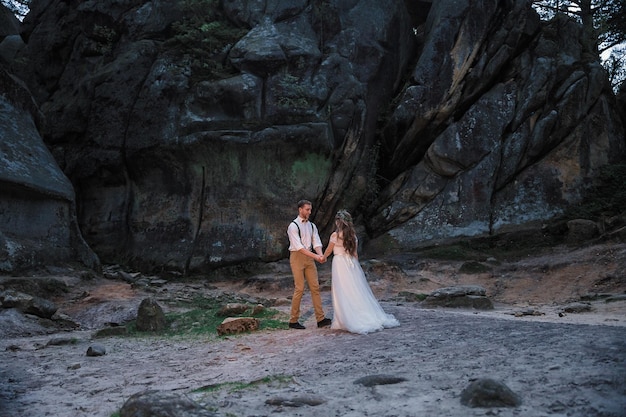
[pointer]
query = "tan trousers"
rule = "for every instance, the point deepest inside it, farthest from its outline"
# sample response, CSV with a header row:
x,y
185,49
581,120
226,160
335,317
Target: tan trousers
x,y
303,268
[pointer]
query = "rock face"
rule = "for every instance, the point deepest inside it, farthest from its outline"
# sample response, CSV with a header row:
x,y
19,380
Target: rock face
x,y
508,135
37,203
188,149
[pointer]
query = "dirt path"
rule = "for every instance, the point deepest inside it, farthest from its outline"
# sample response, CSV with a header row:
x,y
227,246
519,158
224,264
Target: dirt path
x,y
560,364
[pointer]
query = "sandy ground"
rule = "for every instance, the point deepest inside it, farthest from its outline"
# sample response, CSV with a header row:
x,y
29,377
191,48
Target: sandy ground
x,y
560,363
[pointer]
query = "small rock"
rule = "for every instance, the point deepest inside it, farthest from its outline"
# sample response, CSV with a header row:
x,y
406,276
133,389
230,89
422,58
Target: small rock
x,y
60,341
458,291
281,301
487,393
96,350
157,282
126,277
616,297
528,312
235,325
232,309
577,308
462,296
28,304
372,380
162,404
150,316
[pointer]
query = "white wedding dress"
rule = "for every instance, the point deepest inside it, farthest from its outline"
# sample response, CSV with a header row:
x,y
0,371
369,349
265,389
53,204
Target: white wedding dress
x,y
355,307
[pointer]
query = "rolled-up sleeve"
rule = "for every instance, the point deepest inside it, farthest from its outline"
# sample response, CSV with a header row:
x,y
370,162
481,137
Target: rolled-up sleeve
x,y
317,242
294,239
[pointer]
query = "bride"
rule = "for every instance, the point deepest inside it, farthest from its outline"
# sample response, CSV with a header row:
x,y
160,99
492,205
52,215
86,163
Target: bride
x,y
355,307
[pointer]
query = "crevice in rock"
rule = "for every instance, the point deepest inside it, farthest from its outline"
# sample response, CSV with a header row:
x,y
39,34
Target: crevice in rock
x,y
198,230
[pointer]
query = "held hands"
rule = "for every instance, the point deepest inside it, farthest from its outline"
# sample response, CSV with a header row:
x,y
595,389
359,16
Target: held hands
x,y
320,258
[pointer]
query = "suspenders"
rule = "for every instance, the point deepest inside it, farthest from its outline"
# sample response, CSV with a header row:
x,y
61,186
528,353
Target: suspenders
x,y
310,248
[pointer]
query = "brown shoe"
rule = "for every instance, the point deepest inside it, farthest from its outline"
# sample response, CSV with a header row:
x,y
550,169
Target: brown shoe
x,y
324,323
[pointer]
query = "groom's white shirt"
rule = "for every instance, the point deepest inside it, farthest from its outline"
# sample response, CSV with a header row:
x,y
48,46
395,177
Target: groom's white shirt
x,y
295,243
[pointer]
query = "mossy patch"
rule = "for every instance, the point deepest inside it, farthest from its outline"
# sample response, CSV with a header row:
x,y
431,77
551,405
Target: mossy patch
x,y
312,168
201,318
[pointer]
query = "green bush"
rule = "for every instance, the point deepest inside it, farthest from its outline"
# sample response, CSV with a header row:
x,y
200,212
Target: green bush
x,y
606,198
202,35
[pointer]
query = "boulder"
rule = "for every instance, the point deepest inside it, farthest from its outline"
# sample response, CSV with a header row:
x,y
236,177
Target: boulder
x,y
150,316
489,393
96,350
235,325
27,304
231,309
162,404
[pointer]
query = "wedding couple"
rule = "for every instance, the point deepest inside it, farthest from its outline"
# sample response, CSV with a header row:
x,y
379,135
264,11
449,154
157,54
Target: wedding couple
x,y
355,307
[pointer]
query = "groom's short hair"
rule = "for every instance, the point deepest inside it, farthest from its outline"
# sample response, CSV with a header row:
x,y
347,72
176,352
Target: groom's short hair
x,y
303,203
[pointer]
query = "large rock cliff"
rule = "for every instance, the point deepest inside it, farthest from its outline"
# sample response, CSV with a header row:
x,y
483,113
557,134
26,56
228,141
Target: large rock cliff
x,y
190,130
37,203
503,124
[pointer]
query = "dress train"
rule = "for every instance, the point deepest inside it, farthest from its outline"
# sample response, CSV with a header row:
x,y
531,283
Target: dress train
x,y
355,306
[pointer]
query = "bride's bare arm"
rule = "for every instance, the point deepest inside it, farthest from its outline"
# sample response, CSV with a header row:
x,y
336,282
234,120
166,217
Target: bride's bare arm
x,y
331,245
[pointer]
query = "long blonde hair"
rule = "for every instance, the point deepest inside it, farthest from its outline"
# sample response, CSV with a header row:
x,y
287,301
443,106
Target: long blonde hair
x,y
345,230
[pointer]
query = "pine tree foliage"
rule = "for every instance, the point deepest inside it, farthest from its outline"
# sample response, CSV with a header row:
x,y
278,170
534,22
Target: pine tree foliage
x,y
604,26
19,8
604,19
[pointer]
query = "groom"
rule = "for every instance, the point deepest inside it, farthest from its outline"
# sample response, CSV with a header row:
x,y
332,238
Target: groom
x,y
305,247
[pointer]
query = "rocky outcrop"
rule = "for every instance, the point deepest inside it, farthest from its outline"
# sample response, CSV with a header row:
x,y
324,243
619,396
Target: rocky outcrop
x,y
508,135
189,134
188,172
27,304
37,203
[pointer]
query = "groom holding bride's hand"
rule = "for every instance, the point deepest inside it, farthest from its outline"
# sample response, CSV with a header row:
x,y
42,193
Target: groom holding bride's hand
x,y
305,247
